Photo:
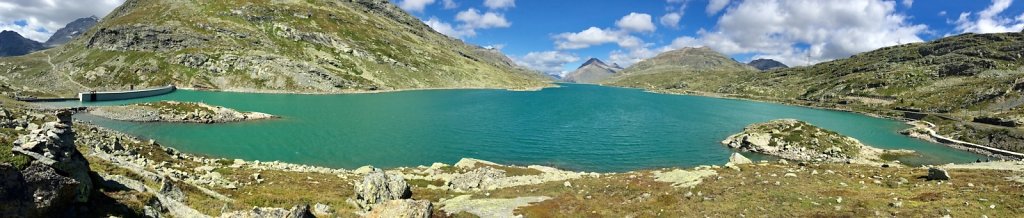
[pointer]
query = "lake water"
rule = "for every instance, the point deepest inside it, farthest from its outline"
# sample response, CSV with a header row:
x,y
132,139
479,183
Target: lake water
x,y
577,127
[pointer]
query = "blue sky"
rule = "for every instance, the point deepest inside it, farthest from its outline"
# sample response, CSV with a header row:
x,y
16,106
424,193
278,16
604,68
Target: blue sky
x,y
557,36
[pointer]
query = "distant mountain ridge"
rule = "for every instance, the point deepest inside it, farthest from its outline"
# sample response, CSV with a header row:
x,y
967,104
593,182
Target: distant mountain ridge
x,y
71,30
767,64
13,44
592,71
678,69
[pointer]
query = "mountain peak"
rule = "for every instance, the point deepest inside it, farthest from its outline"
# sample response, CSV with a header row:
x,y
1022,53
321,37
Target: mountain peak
x,y
72,30
13,44
766,64
593,61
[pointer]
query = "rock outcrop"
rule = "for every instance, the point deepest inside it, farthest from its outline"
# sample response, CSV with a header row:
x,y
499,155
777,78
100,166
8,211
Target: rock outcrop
x,y
299,211
404,208
378,187
477,179
797,140
179,112
56,178
937,174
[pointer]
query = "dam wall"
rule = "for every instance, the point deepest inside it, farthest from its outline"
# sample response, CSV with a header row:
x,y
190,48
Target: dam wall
x,y
122,95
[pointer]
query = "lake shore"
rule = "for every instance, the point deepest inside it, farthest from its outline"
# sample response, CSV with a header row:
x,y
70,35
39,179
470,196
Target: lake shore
x,y
866,113
261,91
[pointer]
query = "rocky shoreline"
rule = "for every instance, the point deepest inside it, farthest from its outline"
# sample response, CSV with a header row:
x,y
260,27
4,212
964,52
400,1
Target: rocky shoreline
x,y
184,185
801,141
177,112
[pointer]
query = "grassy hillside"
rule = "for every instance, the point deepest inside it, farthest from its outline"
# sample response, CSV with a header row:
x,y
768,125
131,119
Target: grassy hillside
x,y
700,69
264,45
953,81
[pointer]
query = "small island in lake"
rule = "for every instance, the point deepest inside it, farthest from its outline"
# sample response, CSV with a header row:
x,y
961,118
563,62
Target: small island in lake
x,y
177,112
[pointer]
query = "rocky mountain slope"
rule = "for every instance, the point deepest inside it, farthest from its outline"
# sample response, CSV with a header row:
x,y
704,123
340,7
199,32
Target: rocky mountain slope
x,y
71,30
13,44
951,82
592,71
767,64
687,68
265,46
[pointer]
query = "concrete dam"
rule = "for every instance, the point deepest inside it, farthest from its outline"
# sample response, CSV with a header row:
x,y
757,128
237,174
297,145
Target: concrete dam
x,y
122,95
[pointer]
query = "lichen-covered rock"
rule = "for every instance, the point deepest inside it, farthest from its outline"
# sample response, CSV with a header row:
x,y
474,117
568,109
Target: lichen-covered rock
x,y
405,208
937,174
15,196
738,159
53,145
52,193
141,37
379,186
479,178
298,211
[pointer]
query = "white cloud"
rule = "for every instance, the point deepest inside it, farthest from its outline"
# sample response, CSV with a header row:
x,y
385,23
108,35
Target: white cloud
x,y
469,20
671,20
797,30
989,20
629,57
447,29
450,4
549,62
636,22
715,6
49,15
596,36
473,19
908,3
415,5
499,4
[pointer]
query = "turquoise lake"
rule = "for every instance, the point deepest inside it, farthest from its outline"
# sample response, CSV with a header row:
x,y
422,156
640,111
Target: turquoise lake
x,y
576,127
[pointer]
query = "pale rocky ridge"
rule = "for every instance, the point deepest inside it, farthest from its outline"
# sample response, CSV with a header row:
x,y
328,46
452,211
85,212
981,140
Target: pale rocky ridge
x,y
180,112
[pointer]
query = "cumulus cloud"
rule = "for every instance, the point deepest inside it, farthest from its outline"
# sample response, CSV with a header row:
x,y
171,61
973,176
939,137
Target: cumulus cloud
x,y
415,5
989,20
38,19
636,22
596,36
908,3
469,20
473,19
549,62
450,4
715,6
499,4
671,20
799,32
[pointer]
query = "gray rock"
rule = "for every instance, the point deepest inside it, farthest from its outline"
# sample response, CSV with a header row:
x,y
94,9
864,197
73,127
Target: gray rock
x,y
54,145
737,159
477,179
405,208
322,209
15,197
937,174
170,190
378,186
144,38
299,211
52,193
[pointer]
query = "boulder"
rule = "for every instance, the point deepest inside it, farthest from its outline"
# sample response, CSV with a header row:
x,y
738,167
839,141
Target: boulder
x,y
479,178
937,174
15,196
405,208
738,159
298,211
379,186
52,194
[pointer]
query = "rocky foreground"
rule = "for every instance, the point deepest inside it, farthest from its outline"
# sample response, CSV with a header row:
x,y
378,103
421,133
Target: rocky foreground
x,y
131,177
178,112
